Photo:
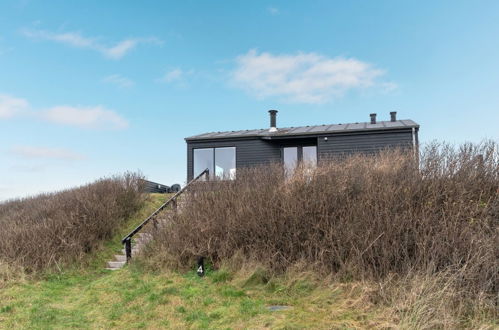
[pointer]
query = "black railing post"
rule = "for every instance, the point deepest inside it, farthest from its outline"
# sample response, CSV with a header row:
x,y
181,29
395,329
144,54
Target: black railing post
x,y
127,240
128,249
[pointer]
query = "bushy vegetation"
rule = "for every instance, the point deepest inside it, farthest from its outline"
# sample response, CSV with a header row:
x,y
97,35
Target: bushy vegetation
x,y
431,223
50,230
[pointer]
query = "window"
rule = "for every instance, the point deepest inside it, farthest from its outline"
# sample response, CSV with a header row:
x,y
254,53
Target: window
x,y
290,156
310,156
221,162
225,163
203,159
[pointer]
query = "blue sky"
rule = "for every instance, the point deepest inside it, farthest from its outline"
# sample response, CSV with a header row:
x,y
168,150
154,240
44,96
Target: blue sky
x,y
93,88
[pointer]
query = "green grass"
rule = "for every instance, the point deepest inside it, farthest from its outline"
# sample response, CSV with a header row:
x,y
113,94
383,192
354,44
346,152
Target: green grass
x,y
133,298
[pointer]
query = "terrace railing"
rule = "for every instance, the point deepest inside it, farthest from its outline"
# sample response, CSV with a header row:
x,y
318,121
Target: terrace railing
x,y
127,240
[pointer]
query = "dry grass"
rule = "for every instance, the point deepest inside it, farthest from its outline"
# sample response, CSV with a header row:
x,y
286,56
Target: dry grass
x,y
429,230
47,231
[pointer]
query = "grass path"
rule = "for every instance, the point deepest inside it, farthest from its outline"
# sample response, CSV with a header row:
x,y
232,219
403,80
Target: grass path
x,y
89,297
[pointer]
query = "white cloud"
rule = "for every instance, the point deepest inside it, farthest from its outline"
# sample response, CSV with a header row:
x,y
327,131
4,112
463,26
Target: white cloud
x,y
45,153
77,40
172,76
303,77
273,11
119,80
11,106
121,48
176,76
87,117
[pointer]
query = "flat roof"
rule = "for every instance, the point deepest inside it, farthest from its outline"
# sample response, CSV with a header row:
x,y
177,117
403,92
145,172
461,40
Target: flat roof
x,y
307,130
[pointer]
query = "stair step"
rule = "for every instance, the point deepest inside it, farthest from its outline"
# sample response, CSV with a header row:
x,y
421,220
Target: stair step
x,y
134,251
115,264
120,257
112,268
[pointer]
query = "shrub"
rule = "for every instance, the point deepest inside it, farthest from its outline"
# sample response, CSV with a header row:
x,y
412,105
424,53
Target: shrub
x,y
361,217
51,229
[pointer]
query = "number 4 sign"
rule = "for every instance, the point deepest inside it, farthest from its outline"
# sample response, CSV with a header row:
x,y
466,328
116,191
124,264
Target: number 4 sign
x,y
200,270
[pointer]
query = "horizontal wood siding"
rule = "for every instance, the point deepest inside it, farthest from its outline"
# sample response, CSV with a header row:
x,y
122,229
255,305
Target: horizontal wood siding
x,y
256,151
367,143
249,152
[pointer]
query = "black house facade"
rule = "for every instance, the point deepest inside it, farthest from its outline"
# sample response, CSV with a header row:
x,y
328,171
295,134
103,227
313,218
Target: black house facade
x,y
225,152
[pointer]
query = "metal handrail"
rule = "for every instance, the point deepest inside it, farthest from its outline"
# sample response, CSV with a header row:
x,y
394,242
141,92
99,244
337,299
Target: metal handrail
x,y
127,240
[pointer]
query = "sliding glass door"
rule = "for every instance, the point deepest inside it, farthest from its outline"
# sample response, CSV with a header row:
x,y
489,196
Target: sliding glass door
x,y
290,159
309,156
304,155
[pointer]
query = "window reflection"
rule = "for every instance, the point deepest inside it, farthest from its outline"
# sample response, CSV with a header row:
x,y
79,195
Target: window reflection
x,y
310,156
225,163
290,160
203,159
221,162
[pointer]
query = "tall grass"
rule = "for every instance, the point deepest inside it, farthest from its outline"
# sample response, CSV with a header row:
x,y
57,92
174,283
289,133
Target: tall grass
x,y
359,218
48,230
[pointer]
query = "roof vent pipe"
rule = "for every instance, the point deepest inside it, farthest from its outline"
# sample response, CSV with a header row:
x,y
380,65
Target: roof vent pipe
x,y
373,118
273,125
393,116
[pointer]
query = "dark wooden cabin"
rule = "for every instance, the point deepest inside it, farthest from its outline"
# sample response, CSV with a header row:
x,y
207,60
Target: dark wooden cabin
x,y
224,152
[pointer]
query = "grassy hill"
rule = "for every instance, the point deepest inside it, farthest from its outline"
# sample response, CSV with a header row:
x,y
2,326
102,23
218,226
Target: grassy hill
x,y
364,242
87,296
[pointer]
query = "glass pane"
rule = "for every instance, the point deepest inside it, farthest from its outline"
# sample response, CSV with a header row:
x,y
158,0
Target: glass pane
x,y
203,159
310,156
290,160
225,163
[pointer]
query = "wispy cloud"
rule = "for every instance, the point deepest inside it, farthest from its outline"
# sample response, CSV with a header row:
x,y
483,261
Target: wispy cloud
x,y
11,106
302,77
75,39
86,117
172,75
273,11
119,80
45,153
82,116
176,75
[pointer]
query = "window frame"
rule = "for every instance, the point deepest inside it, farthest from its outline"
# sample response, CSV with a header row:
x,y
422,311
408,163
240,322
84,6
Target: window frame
x,y
300,152
212,174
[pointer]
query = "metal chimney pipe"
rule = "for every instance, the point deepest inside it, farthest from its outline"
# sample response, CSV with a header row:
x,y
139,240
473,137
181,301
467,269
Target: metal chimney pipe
x,y
273,115
393,116
373,118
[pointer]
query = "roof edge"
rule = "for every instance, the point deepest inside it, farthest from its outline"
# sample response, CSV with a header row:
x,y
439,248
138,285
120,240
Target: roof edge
x,y
270,136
